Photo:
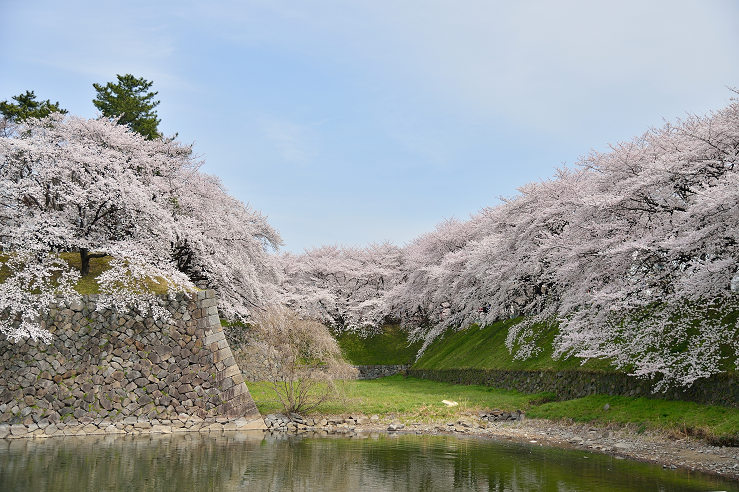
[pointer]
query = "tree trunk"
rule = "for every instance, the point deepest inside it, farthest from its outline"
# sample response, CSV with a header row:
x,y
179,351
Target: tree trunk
x,y
85,261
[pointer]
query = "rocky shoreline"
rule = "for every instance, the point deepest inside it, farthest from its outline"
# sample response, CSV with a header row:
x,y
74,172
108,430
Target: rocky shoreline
x,y
87,426
653,447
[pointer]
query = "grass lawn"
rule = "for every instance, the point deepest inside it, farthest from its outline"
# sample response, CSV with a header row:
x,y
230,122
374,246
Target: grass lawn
x,y
419,400
408,399
390,346
716,422
87,284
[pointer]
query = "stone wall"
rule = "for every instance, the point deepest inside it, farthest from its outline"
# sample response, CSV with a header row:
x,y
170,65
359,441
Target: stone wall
x,y
106,365
380,371
720,389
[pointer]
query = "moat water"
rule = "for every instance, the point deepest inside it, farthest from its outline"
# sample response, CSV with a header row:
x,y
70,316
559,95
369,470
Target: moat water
x,y
252,462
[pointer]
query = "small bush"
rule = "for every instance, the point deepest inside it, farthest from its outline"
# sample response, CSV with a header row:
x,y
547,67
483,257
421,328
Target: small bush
x,y
299,358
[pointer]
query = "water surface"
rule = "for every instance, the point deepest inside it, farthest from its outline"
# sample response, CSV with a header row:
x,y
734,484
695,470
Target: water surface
x,y
249,461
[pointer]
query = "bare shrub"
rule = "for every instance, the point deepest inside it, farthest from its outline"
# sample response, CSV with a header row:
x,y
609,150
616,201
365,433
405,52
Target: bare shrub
x,y
299,357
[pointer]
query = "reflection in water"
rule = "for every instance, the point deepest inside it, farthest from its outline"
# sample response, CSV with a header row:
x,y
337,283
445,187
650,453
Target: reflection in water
x,y
249,461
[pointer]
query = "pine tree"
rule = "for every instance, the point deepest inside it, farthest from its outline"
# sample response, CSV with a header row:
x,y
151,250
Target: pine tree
x,y
132,102
26,106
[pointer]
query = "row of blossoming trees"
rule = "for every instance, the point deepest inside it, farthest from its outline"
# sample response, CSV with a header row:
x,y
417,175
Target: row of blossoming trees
x,y
94,188
634,254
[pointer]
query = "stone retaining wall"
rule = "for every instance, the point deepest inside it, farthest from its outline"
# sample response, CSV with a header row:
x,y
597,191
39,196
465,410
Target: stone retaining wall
x,y
720,389
379,371
87,426
106,366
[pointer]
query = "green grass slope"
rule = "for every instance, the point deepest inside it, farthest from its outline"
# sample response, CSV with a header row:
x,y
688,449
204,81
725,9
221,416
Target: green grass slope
x,y
390,346
410,399
718,424
484,348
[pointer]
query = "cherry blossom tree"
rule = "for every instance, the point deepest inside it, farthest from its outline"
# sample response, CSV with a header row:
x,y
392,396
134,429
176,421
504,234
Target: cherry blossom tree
x,y
647,271
84,185
298,357
48,277
99,189
634,254
341,287
222,243
72,184
419,298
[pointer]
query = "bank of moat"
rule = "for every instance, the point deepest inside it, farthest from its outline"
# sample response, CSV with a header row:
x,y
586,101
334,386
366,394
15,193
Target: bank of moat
x,y
103,364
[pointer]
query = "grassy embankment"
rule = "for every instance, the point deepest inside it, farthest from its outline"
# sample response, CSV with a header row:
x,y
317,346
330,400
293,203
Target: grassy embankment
x,y
390,347
410,399
484,348
417,400
87,284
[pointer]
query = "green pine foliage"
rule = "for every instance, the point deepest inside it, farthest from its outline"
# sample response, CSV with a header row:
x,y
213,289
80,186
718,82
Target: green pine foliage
x,y
27,106
132,102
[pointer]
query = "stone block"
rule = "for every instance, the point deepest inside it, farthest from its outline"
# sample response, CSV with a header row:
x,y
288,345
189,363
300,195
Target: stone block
x,y
222,354
206,303
230,371
161,429
17,430
227,389
214,338
112,429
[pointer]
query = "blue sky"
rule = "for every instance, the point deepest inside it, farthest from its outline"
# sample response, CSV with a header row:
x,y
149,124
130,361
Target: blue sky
x,y
350,122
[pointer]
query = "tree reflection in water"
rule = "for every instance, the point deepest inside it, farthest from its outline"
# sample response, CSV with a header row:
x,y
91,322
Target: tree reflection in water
x,y
250,461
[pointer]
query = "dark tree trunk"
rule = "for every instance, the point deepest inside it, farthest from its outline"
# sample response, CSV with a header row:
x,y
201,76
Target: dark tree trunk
x,y
85,257
85,261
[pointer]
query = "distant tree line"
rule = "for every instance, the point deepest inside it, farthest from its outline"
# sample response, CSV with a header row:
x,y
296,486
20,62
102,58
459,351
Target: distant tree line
x,y
634,255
